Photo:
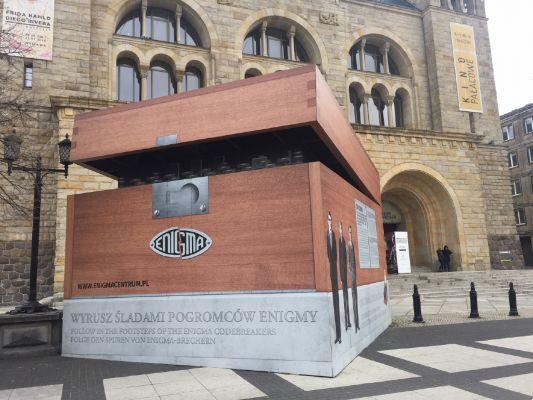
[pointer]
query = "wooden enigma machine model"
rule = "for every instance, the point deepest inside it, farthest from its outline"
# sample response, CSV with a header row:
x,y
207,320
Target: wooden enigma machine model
x,y
246,231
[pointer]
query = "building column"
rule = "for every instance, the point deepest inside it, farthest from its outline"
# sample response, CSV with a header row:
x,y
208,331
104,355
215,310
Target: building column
x,y
144,69
366,113
362,55
390,111
179,81
292,51
179,13
450,5
264,50
144,8
385,53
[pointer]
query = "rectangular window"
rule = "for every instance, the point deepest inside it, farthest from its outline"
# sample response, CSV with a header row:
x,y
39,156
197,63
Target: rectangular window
x,y
517,187
508,133
520,216
530,154
528,125
513,159
28,75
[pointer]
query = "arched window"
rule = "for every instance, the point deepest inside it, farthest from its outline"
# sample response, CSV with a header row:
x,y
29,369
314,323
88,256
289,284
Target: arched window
x,y
193,79
277,45
252,72
188,34
160,81
398,112
130,24
377,109
160,25
128,80
356,109
374,57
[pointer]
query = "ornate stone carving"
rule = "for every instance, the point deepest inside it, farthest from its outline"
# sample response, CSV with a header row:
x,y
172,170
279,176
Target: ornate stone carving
x,y
328,18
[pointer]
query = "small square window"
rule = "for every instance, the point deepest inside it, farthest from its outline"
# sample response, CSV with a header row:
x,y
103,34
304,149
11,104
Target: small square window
x,y
513,159
508,133
28,75
528,125
520,216
516,187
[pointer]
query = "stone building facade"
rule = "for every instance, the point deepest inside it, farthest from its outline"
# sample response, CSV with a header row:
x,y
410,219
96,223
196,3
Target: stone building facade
x,y
389,63
517,134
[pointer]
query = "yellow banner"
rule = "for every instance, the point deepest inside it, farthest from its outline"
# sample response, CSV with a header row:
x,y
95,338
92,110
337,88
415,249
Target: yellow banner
x,y
28,27
466,68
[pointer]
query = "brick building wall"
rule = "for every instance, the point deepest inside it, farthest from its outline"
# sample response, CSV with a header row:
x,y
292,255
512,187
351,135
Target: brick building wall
x,y
446,145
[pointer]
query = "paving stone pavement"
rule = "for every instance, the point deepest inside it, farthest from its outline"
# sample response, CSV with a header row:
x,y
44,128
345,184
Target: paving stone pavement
x,y
487,360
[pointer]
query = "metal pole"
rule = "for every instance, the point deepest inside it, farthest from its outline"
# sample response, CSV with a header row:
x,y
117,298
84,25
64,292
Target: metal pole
x,y
513,309
474,313
417,306
35,232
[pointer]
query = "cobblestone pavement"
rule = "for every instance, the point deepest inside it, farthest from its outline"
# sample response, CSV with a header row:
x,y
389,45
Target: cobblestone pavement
x,y
487,360
456,310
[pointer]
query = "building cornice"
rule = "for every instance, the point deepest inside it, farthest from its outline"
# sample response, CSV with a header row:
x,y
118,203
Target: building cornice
x,y
452,12
374,4
81,103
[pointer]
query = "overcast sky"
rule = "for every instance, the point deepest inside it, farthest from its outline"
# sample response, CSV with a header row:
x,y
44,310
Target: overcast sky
x,y
511,34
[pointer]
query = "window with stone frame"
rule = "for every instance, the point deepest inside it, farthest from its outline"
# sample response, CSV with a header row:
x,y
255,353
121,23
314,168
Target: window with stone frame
x,y
516,187
513,159
277,42
528,125
530,154
520,216
508,132
28,75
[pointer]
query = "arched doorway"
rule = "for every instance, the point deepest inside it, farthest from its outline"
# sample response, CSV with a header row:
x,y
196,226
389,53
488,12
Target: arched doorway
x,y
422,206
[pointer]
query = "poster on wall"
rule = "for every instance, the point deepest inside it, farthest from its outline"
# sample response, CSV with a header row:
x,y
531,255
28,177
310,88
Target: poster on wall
x,y
466,68
402,252
28,28
367,235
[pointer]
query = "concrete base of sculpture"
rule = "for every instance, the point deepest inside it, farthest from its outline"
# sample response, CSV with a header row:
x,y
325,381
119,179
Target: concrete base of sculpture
x,y
275,332
30,334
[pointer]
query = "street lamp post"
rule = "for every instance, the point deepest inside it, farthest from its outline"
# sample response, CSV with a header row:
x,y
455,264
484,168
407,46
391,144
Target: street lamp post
x,y
11,155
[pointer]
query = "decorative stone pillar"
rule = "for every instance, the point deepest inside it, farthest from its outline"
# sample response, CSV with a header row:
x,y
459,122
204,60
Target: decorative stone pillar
x,y
144,69
450,5
362,55
292,51
366,113
179,81
264,50
144,8
390,111
385,53
179,13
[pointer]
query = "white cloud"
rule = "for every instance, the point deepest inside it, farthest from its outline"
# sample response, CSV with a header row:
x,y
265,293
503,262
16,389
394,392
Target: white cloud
x,y
511,33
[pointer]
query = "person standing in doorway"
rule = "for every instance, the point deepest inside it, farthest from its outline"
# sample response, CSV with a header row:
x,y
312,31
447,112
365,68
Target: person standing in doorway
x,y
447,258
344,277
353,276
332,256
440,256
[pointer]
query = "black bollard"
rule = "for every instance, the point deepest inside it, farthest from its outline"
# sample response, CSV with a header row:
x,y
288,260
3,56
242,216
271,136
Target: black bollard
x,y
417,307
513,309
474,313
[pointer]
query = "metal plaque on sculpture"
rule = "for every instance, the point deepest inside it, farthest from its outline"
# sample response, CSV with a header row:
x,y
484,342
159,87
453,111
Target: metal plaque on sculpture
x,y
182,243
28,28
466,68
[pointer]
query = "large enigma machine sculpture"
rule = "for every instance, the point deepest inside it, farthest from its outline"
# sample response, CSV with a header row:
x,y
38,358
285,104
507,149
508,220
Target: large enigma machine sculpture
x,y
246,231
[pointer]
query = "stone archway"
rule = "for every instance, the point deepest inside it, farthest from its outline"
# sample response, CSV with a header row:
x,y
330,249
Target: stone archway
x,y
429,215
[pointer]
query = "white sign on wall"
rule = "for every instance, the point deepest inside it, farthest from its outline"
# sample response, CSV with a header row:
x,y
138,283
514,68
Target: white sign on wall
x,y
367,236
28,28
402,252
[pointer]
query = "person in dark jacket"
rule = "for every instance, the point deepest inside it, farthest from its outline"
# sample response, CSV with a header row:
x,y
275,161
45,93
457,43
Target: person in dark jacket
x,y
447,258
344,277
332,256
440,256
